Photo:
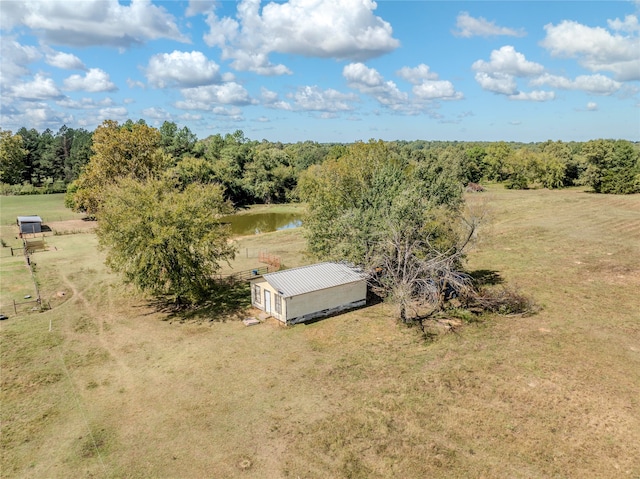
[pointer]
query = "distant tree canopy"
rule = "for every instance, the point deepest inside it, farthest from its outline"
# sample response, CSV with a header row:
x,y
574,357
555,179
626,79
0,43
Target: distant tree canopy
x,y
400,219
50,160
267,172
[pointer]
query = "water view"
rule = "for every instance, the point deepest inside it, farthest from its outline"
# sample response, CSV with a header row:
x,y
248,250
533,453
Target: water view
x,y
256,223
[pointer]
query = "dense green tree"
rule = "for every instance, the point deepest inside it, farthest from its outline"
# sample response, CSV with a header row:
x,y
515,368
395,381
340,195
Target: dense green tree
x,y
47,164
307,153
166,241
551,171
496,160
12,157
79,153
473,166
558,158
33,147
228,156
132,150
519,170
399,219
270,175
612,166
177,142
191,170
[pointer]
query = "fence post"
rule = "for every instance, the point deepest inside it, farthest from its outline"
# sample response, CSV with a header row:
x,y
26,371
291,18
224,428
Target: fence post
x,y
15,310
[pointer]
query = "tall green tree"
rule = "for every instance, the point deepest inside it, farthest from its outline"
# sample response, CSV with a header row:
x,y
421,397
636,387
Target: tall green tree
x,y
270,175
399,219
177,142
79,153
612,166
12,157
473,166
166,241
132,150
498,156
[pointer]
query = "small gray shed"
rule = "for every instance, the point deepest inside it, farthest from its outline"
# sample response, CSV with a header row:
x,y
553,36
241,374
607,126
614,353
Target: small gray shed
x,y
29,224
300,294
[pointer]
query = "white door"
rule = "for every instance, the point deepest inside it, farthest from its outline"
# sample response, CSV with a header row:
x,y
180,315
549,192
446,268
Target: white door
x,y
267,301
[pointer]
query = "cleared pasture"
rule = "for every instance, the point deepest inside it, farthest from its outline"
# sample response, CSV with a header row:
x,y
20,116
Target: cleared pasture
x,y
117,389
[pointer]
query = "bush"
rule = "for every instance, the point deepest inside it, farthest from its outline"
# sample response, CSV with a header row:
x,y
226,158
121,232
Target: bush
x,y
504,301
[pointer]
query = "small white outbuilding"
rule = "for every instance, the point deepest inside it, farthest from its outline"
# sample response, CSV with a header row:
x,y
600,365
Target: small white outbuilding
x,y
29,224
301,294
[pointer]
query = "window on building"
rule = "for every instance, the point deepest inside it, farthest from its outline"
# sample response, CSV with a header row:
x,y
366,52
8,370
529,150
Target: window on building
x,y
278,303
256,294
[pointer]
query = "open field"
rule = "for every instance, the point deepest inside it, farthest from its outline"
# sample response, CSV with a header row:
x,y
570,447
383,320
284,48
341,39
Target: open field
x,y
117,389
48,207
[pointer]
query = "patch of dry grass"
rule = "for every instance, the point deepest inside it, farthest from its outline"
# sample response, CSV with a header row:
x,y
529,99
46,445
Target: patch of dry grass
x,y
115,391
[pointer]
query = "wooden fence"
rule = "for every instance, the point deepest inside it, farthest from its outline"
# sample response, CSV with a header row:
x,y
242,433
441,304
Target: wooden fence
x,y
24,305
246,274
271,260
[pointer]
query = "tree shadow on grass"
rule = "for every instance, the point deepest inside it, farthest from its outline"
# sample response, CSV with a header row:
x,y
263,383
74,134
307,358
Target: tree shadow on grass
x,y
226,301
485,277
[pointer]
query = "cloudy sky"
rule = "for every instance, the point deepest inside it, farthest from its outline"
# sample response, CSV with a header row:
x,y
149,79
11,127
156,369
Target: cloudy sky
x,y
327,70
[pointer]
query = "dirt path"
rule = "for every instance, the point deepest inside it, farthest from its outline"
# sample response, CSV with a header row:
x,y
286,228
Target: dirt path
x,y
99,318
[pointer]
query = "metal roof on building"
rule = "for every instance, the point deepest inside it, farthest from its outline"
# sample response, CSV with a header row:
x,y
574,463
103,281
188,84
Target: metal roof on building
x,y
29,219
295,281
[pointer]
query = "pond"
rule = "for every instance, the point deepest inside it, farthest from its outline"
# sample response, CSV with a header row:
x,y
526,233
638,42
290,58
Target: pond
x,y
256,223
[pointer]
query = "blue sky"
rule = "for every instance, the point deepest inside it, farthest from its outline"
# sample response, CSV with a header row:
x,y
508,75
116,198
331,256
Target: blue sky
x,y
323,70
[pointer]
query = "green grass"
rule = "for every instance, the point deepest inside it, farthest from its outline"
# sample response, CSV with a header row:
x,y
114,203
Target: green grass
x,y
115,390
48,207
288,208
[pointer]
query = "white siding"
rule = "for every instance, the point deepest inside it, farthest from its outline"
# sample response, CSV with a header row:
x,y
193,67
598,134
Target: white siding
x,y
309,292
324,299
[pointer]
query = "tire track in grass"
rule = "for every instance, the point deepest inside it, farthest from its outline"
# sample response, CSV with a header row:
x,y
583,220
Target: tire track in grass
x,y
98,318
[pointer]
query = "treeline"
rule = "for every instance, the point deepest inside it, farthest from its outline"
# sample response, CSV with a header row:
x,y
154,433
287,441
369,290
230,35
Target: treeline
x,y
267,172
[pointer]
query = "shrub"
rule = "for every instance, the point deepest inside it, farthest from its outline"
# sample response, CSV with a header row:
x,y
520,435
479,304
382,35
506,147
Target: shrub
x,y
504,300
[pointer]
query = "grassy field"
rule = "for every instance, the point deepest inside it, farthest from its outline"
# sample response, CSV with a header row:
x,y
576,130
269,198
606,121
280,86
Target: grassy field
x,y
117,389
48,207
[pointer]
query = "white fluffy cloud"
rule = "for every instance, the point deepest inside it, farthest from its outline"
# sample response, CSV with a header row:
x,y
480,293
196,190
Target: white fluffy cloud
x,y
41,88
427,88
117,113
468,26
84,103
158,114
15,59
593,84
427,84
508,61
369,81
271,99
200,6
65,61
95,80
497,82
207,97
417,74
182,69
436,90
92,22
340,29
499,75
629,24
536,95
596,48
312,98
